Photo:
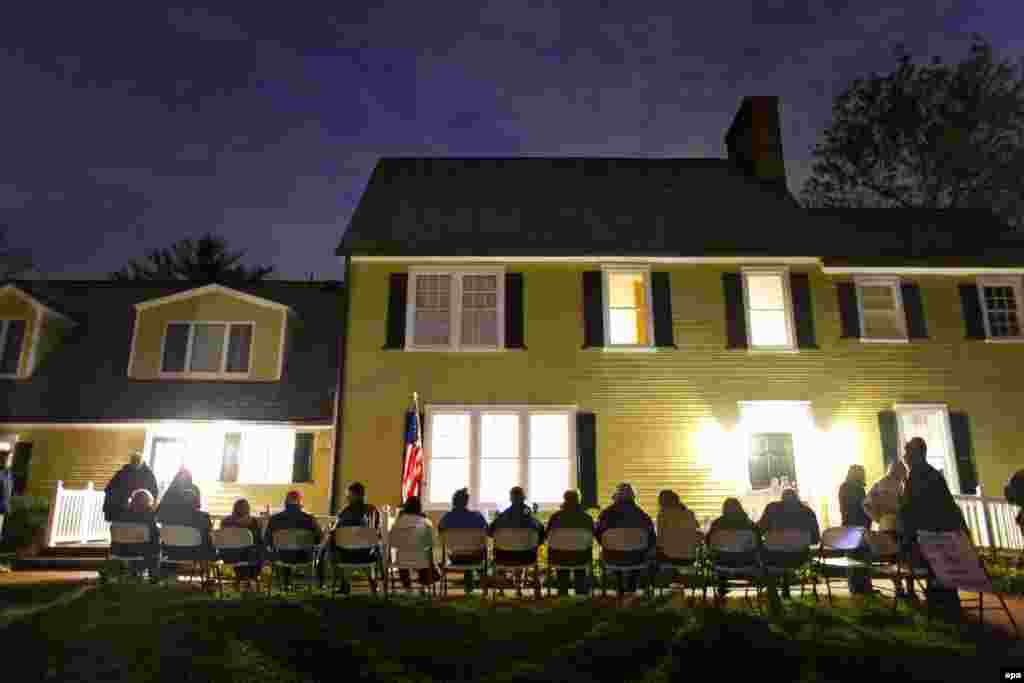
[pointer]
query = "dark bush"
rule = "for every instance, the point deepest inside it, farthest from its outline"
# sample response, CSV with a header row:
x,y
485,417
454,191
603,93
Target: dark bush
x,y
26,516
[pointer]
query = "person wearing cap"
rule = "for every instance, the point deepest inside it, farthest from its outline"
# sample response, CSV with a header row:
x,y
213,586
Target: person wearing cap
x,y
624,513
292,517
129,479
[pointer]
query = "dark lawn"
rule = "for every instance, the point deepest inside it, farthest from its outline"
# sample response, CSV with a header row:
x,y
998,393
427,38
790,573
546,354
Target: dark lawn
x,y
18,595
146,633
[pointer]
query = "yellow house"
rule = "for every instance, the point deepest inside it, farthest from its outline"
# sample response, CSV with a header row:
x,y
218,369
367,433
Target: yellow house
x,y
674,323
235,383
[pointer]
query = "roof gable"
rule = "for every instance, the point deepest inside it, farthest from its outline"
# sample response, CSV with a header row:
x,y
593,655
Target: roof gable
x,y
211,289
39,305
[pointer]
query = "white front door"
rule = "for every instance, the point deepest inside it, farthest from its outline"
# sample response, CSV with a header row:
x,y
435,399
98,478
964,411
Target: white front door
x,y
931,423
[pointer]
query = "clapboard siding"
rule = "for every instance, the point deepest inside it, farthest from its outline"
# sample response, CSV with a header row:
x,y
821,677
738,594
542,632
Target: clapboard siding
x,y
648,405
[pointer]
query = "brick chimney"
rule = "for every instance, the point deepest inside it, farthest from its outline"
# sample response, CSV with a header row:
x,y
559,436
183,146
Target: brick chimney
x,y
754,139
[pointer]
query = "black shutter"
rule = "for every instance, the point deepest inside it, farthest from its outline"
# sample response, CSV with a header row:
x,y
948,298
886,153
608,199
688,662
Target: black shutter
x,y
586,458
11,353
803,310
302,460
972,312
398,295
514,311
913,307
890,434
849,316
735,311
19,470
661,297
593,310
962,447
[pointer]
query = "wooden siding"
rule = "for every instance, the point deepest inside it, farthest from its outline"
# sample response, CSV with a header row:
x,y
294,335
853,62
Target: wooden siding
x,y
650,405
152,323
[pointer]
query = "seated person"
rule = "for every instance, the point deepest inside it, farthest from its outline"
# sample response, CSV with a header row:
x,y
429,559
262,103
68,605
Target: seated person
x,y
241,518
358,513
517,516
624,513
140,511
412,517
292,517
673,518
185,512
733,518
571,516
789,513
461,517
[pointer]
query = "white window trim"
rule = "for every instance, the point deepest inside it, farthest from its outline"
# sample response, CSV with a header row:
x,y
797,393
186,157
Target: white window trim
x,y
455,309
222,373
1008,281
475,410
952,467
5,325
901,314
797,419
787,296
606,306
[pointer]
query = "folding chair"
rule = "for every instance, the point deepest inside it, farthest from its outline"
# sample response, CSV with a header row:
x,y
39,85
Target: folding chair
x,y
734,560
132,537
463,550
183,548
624,540
292,541
407,550
571,550
678,550
513,541
234,542
359,538
837,544
784,552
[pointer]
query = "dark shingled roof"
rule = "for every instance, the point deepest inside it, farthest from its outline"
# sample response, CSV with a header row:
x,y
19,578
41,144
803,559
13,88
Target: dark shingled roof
x,y
538,206
85,378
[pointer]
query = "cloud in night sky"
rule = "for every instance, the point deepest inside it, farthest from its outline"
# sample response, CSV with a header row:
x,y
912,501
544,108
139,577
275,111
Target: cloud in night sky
x,y
263,124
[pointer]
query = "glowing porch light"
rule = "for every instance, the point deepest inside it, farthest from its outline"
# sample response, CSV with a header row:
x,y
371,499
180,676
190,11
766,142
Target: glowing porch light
x,y
721,451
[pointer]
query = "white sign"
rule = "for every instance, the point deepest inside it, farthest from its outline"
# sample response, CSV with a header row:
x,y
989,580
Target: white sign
x,y
953,559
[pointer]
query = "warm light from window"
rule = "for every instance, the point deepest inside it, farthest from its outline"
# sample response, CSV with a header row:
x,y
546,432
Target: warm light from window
x,y
627,308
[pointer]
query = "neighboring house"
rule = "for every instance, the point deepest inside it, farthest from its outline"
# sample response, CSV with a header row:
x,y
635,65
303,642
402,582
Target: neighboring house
x,y
236,383
674,323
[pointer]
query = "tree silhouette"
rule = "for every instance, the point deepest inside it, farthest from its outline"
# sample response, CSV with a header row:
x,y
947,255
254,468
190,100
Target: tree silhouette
x,y
206,260
932,136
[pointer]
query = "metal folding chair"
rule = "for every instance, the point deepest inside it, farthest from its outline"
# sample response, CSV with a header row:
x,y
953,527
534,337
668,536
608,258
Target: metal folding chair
x,y
834,554
516,540
406,550
293,541
625,540
183,549
463,550
131,537
679,550
359,538
571,550
234,540
784,553
734,559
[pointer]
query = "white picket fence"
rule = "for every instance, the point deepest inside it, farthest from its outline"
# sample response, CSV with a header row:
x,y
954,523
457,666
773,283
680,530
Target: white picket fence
x,y
992,522
76,516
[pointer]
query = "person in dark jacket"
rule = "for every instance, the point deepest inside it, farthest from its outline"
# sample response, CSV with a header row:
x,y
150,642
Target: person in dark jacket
x,y
358,513
734,518
1014,493
175,493
130,478
789,513
929,506
292,517
461,517
186,512
6,489
517,516
852,494
140,510
571,516
241,518
625,513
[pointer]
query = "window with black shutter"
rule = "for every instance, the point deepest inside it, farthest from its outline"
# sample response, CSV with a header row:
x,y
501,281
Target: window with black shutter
x,y
514,317
593,310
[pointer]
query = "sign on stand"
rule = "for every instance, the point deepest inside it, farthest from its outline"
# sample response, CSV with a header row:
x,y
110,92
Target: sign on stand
x,y
954,560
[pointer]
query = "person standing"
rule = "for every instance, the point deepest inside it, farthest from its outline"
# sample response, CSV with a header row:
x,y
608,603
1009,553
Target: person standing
x,y
6,489
852,493
130,478
175,493
882,505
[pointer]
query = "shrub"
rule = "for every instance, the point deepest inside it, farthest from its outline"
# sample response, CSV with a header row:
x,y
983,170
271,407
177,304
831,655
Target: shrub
x,y
27,516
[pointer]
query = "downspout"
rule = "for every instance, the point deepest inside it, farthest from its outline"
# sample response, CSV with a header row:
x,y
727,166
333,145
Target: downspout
x,y
338,406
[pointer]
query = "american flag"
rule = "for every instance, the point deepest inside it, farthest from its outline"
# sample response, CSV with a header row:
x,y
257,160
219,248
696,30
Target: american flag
x,y
412,473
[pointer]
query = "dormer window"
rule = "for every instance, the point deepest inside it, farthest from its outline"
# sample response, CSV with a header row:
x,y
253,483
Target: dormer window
x,y
207,349
12,338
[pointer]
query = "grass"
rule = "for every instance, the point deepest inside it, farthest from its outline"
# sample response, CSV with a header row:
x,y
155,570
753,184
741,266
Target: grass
x,y
29,594
147,633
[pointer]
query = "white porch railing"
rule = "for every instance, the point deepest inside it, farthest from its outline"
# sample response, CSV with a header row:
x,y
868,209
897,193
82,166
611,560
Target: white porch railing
x,y
76,516
992,522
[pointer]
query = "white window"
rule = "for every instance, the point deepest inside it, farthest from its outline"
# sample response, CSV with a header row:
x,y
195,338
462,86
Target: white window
x,y
1000,306
207,349
456,311
491,449
769,309
880,304
627,295
12,337
931,423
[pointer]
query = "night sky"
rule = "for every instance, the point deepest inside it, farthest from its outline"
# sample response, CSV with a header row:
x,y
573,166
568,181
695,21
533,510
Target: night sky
x,y
130,128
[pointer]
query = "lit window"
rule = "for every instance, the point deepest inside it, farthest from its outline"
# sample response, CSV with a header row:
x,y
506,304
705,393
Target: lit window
x,y
881,310
12,334
629,317
207,349
771,457
768,310
485,450
457,311
1000,299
